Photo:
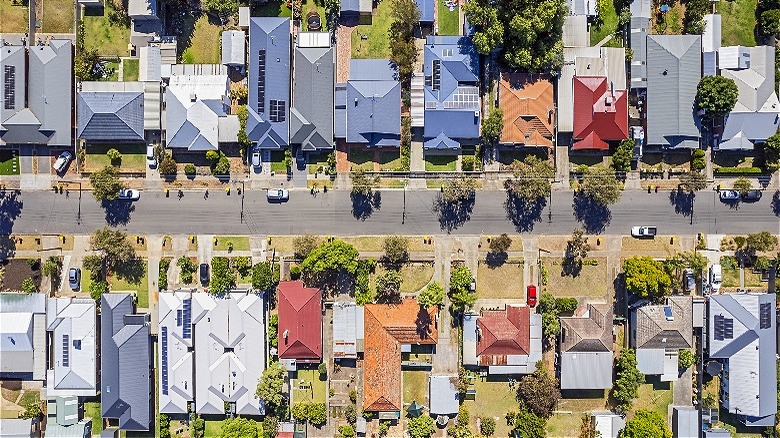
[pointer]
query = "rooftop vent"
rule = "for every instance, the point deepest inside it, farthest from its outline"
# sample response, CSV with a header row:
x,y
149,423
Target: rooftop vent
x,y
193,97
286,334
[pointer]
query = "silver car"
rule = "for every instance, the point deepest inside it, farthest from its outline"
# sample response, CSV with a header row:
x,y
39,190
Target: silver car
x,y
74,278
278,195
729,195
129,195
62,162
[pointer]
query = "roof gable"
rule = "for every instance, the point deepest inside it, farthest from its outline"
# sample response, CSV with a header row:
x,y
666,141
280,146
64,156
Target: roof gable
x,y
300,321
504,332
111,116
528,108
655,331
373,103
600,113
313,98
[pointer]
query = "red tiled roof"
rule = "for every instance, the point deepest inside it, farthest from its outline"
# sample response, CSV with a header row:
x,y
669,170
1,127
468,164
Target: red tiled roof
x,y
600,114
387,326
300,317
527,102
504,332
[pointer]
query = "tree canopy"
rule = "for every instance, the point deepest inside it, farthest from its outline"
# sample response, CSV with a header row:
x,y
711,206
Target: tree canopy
x,y
239,428
492,125
363,183
500,244
405,15
221,8
461,295
621,159
269,388
526,424
265,276
693,181
772,144
490,30
538,392
459,190
113,246
716,95
601,185
421,427
646,424
330,258
396,250
646,277
626,387
531,178
105,184
432,295
763,241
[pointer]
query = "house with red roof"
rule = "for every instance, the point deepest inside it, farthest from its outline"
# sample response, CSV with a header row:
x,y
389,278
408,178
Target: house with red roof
x,y
300,323
600,113
507,341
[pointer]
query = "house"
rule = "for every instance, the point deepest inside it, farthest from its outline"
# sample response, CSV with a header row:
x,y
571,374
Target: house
x,y
452,102
114,113
125,363
176,350
389,328
641,12
41,76
141,10
608,424
600,113
233,48
710,44
20,428
756,115
443,395
742,336
658,332
196,99
300,323
311,115
685,422
357,9
71,325
23,352
673,73
586,349
348,337
269,82
426,8
368,105
507,341
529,110
62,415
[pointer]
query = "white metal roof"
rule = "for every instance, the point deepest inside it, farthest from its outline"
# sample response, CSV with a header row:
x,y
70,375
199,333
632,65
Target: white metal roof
x,y
72,323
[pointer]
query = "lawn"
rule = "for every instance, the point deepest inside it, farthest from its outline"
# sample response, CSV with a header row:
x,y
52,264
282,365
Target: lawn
x,y
360,159
9,162
311,5
592,280
440,163
13,17
738,22
571,407
106,38
631,246
671,23
133,157
129,70
414,276
317,389
448,20
494,399
213,428
136,284
92,410
277,165
317,160
204,41
240,243
609,24
271,9
375,45
415,387
389,160
57,16
655,397
501,282
730,277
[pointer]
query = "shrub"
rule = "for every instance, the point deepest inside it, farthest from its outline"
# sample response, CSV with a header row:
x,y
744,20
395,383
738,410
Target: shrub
x,y
346,431
222,167
97,289
353,395
212,157
317,414
565,305
162,279
739,171
295,272
686,359
350,414
300,411
114,155
28,286
323,369
186,268
487,426
190,169
467,163
168,166
242,265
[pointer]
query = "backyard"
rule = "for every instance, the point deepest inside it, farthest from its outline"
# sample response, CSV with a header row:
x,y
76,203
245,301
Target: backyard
x,y
133,156
57,16
500,282
13,17
655,396
271,9
608,26
9,162
415,387
738,22
372,41
441,163
92,410
448,20
129,70
494,399
571,407
109,39
591,281
314,386
204,40
671,21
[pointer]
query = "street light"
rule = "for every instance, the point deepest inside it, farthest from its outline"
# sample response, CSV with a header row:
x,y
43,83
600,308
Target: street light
x,y
78,215
242,197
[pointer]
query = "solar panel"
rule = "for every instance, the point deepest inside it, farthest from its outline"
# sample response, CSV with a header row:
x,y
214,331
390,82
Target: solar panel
x,y
728,328
765,316
278,113
9,82
261,81
718,329
187,315
436,81
164,359
178,318
66,350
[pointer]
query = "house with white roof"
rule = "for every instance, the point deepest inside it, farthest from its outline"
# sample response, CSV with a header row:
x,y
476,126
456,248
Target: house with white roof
x,y
348,337
71,324
23,336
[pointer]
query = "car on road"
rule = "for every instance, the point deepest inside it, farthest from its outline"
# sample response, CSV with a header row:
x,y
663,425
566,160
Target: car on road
x,y
151,160
752,196
729,195
689,282
204,274
129,195
716,277
644,232
74,278
62,161
256,158
278,195
531,295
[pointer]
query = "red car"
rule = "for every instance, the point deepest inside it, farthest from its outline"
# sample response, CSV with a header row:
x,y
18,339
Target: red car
x,y
531,293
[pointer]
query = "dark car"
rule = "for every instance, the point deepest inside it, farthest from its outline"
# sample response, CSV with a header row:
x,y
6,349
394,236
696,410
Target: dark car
x,y
313,21
531,295
204,274
752,196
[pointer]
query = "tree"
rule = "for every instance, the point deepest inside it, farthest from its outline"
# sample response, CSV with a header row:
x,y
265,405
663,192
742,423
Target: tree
x,y
186,268
97,289
763,241
693,181
621,159
693,260
85,63
601,185
198,426
772,146
461,295
300,411
330,258
269,388
362,183
317,414
576,250
273,330
489,31
287,161
742,185
396,250
716,95
113,155
29,286
492,125
769,22
500,244
421,427
626,387
222,167
459,190
538,392
270,426
265,276
222,277
213,156
487,426
168,166
165,426
686,359
531,179
588,427
113,246
388,286
646,424
304,245
51,267
105,184
565,305
346,431
402,50
646,277
432,295
533,31
221,8
239,428
526,424
32,409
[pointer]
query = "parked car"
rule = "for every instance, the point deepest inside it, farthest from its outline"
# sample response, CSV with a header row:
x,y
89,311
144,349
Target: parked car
x,y
729,195
531,295
689,282
643,232
278,195
129,195
62,161
715,277
204,274
151,160
752,196
300,159
313,21
256,158
74,278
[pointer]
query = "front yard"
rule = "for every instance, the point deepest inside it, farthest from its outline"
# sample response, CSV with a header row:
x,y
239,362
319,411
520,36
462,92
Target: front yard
x,y
18,270
133,278
13,17
414,276
441,163
372,41
9,162
500,282
314,385
133,156
107,38
592,281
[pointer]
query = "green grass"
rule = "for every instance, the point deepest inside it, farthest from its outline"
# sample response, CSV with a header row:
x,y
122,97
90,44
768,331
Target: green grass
x,y
448,21
141,287
413,276
271,9
608,25
276,162
440,163
133,157
92,410
361,159
376,46
655,397
389,160
730,277
415,387
494,399
738,22
57,16
13,18
114,68
318,390
204,43
311,5
9,163
106,38
213,428
240,243
316,160
129,70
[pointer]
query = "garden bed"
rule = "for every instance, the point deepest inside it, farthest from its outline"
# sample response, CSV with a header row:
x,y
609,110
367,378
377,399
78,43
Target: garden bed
x,y
16,271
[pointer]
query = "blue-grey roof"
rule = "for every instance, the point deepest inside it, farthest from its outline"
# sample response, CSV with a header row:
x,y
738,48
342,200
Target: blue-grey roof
x,y
640,27
452,105
351,7
111,116
685,421
272,35
586,370
125,387
370,114
426,10
311,118
673,73
743,129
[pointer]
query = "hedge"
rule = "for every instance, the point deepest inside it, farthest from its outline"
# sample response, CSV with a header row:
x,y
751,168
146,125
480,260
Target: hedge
x,y
739,171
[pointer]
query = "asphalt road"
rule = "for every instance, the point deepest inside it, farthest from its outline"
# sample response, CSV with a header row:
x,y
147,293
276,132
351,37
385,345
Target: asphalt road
x,y
332,213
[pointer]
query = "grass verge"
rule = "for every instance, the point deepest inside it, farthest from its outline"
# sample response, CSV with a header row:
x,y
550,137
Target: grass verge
x,y
440,163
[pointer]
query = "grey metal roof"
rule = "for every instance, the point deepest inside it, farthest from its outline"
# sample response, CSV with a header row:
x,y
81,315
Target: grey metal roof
x,y
470,339
194,106
712,33
640,27
685,422
73,368
575,31
582,7
142,9
586,370
748,352
373,103
348,334
311,120
608,424
233,47
111,116
350,7
673,72
13,59
125,387
149,63
641,8
443,395
272,35
426,10
717,433
23,335
17,428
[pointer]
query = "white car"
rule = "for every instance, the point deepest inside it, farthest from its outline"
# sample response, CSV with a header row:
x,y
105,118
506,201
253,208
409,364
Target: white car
x,y
62,162
716,277
256,158
151,160
278,195
129,195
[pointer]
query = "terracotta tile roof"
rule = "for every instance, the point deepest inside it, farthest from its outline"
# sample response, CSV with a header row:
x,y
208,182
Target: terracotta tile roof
x,y
600,114
591,334
528,107
503,333
300,318
387,326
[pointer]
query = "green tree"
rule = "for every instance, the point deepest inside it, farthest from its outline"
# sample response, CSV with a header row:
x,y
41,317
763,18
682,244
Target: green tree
x,y
716,95
328,259
273,330
565,305
489,31
769,22
402,50
538,392
588,427
576,250
269,387
693,260
626,387
317,414
459,190
763,241
526,424
165,426
113,155
692,182
772,147
742,185
421,427
198,426
601,185
388,286
362,183
105,184
531,178
168,166
346,431
492,125
621,159
221,8
222,167
213,156
97,289
500,244
28,286
239,428
270,426
646,277
432,295
300,411
304,245
461,295
265,276
186,268
487,426
533,31
113,246
222,277
396,250
287,161
32,409
646,424
686,359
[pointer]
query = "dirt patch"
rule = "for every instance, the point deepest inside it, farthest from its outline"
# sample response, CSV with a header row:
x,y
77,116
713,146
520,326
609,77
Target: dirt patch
x,y
16,271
